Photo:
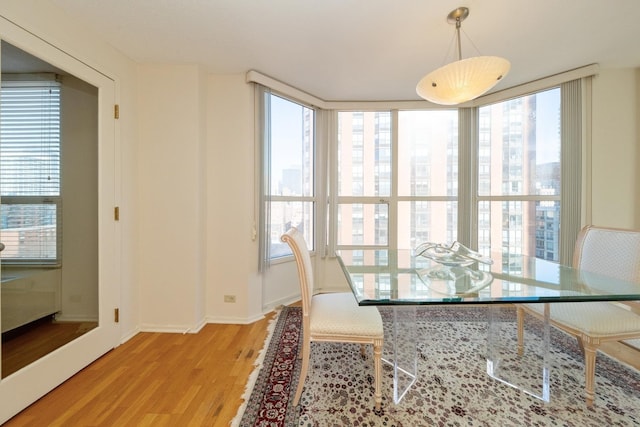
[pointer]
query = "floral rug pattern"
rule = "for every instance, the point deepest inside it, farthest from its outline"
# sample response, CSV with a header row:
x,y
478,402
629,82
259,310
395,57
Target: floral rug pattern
x,y
453,388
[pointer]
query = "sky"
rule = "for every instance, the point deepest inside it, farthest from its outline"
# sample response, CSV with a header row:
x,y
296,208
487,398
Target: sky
x,y
286,137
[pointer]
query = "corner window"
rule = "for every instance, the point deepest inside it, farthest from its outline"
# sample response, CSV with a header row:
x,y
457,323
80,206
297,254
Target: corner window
x,y
288,183
399,182
30,213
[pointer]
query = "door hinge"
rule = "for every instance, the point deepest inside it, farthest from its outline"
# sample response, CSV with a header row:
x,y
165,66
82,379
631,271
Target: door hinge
x,y
116,315
116,213
116,111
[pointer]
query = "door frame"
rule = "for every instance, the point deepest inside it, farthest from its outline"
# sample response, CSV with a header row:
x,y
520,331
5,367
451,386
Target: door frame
x,y
25,386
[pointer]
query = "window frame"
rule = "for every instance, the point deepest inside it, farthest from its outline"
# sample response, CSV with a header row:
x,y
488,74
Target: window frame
x,y
468,184
394,199
263,114
507,195
326,146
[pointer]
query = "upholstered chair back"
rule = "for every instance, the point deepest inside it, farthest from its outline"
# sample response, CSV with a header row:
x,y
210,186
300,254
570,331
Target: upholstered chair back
x,y
609,252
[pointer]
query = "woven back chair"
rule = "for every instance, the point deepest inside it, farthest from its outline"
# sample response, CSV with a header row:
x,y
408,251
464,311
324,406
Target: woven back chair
x,y
609,252
333,317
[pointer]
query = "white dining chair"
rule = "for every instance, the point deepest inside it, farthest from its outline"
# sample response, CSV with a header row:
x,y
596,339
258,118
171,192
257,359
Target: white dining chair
x,y
607,252
333,317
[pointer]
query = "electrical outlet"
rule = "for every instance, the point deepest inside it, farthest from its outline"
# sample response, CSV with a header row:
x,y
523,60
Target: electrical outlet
x,y
229,298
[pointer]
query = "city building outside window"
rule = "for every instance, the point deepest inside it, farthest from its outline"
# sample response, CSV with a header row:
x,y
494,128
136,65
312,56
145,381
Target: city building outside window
x,y
520,170
408,185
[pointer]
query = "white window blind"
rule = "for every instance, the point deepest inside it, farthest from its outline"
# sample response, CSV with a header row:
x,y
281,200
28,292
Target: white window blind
x,y
30,171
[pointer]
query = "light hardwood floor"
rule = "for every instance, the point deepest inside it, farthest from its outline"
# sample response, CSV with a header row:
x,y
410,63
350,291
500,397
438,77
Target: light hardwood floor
x,y
157,379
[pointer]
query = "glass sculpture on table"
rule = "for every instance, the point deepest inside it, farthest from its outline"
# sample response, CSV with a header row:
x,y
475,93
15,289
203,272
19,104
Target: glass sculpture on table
x,y
453,274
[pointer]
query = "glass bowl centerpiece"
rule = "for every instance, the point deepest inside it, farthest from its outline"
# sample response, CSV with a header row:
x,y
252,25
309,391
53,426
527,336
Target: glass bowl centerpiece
x,y
452,274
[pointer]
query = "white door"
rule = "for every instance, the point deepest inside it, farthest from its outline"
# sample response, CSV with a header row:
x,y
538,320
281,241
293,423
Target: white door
x,y
26,385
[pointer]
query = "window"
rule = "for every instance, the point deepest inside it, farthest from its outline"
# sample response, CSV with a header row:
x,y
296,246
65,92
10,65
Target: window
x,y
502,175
30,214
288,173
521,177
364,179
427,177
422,205
520,160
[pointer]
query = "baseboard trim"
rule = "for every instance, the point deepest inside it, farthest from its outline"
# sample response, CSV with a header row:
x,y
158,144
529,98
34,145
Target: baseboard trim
x,y
235,320
273,305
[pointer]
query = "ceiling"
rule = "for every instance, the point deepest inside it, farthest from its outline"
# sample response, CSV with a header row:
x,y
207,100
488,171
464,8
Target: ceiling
x,y
365,49
15,60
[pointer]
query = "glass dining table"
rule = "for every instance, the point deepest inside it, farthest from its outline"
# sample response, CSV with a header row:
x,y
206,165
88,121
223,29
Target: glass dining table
x,y
406,282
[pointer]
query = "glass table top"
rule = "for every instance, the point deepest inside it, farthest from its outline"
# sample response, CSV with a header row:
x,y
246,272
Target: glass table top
x,y
389,277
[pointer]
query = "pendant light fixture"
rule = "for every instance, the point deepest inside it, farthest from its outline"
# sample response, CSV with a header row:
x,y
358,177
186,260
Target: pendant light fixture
x,y
464,79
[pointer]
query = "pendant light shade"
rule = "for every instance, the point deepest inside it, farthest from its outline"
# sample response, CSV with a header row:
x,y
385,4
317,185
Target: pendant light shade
x,y
465,79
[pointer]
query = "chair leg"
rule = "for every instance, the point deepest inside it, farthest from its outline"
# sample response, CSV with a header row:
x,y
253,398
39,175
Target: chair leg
x,y
306,349
590,352
377,373
302,352
520,316
581,345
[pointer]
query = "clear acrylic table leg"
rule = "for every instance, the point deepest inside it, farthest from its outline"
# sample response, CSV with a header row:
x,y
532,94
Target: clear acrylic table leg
x,y
530,370
401,346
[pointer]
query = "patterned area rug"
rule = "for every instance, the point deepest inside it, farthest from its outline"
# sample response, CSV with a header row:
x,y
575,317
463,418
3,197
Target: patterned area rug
x,y
453,388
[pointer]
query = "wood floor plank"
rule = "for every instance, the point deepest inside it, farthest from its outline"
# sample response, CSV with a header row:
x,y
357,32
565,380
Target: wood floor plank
x,y
157,379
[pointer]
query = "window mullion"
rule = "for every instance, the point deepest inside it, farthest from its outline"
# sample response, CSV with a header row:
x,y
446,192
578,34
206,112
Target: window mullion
x,y
467,177
393,199
332,185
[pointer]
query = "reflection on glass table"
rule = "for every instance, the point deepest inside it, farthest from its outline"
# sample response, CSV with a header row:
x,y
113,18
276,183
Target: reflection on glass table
x,y
452,276
454,281
440,275
397,277
454,255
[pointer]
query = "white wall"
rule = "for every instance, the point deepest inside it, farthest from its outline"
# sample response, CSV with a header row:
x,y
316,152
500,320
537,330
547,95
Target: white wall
x,y
231,204
196,175
171,211
232,247
615,190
